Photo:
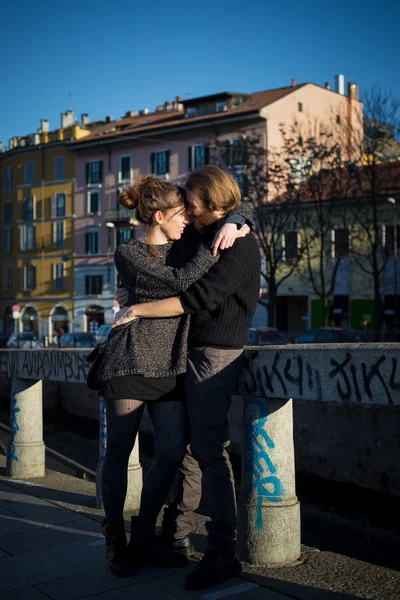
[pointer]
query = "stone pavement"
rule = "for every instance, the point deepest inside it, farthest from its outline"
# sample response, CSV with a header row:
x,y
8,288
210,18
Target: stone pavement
x,y
51,546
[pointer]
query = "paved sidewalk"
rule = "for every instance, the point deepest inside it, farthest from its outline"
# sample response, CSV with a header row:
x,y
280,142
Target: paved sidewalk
x,y
51,546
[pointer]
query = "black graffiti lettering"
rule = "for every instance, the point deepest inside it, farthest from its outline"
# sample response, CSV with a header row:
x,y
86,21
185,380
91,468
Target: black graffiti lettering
x,y
82,366
46,367
339,368
375,372
252,387
270,376
68,367
26,367
353,370
319,384
309,376
395,387
295,380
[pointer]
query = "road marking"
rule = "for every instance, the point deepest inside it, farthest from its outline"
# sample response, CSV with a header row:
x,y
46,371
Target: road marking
x,y
237,589
97,543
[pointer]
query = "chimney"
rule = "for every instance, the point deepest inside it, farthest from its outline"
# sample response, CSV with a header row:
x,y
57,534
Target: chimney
x,y
144,111
293,82
44,126
339,84
167,105
130,113
108,119
327,85
1,146
178,98
22,142
67,119
85,119
352,90
159,108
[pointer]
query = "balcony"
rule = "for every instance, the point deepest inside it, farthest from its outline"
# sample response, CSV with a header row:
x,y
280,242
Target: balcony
x,y
121,215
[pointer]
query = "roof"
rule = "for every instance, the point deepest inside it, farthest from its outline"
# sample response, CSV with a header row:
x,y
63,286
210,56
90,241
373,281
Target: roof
x,y
174,118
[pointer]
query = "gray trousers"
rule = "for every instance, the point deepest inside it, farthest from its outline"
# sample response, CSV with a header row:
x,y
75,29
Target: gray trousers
x,y
211,379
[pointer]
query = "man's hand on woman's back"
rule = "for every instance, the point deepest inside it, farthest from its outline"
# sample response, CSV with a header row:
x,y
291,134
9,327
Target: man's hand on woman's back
x,y
121,296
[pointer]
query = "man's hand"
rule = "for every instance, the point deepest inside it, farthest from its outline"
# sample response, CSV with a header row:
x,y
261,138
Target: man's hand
x,y
227,235
121,296
123,316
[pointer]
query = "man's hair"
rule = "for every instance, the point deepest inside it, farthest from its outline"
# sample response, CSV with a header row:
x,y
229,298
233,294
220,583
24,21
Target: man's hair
x,y
216,189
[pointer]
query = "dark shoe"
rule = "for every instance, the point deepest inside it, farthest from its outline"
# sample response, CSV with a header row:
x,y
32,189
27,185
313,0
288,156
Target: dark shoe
x,y
214,568
145,551
178,545
117,551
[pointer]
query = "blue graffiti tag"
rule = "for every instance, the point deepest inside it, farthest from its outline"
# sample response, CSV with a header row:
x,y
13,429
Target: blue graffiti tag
x,y
258,461
103,429
12,455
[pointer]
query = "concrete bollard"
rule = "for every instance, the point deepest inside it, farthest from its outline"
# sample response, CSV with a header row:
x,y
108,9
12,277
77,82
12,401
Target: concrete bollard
x,y
26,450
135,475
269,512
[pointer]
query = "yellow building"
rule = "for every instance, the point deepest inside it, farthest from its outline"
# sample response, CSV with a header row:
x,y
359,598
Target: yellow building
x,y
36,198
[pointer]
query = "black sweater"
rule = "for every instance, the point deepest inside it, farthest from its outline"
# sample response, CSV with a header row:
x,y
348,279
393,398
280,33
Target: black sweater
x,y
223,301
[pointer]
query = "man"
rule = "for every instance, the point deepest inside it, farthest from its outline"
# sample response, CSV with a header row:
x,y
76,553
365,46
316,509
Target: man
x,y
222,304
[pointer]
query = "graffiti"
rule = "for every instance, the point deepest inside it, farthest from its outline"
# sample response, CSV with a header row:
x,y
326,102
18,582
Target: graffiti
x,y
294,376
261,471
12,454
49,364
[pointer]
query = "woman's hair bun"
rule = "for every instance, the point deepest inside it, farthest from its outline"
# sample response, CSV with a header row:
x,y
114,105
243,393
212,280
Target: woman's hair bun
x,y
129,198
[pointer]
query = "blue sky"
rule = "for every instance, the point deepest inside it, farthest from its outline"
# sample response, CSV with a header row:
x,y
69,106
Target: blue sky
x,y
105,58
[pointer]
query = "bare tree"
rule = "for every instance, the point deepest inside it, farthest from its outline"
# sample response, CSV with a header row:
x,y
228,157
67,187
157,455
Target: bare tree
x,y
374,180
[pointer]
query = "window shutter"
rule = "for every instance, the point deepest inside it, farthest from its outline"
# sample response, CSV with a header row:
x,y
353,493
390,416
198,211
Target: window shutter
x,y
153,162
190,158
87,172
21,237
86,285
87,243
33,237
167,161
34,278
54,205
100,171
206,155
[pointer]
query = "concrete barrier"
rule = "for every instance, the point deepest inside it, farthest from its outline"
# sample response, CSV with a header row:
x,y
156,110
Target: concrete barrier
x,y
274,376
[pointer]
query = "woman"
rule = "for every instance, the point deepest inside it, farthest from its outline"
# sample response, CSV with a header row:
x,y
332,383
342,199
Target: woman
x,y
142,364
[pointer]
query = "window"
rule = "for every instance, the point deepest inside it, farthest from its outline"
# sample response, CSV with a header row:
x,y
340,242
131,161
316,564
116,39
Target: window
x,y
7,237
28,277
58,276
291,244
9,279
28,237
222,106
93,203
191,112
342,242
28,208
7,212
92,241
241,179
300,106
236,152
58,234
93,284
59,168
160,162
389,242
58,206
94,172
7,178
124,168
198,157
29,172
124,234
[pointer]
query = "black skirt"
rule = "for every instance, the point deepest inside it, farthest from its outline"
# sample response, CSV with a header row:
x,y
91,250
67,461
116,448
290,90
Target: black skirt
x,y
138,387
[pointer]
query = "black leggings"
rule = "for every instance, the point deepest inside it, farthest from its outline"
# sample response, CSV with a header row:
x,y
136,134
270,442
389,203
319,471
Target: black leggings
x,y
170,424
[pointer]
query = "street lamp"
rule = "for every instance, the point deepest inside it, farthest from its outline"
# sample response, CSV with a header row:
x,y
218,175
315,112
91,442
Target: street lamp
x,y
110,227
394,204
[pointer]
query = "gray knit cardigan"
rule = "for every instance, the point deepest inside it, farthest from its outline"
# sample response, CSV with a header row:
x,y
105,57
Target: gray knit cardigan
x,y
151,347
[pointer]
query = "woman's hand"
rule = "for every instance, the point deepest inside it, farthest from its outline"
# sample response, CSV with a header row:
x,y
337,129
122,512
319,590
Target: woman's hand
x,y
227,235
123,316
121,296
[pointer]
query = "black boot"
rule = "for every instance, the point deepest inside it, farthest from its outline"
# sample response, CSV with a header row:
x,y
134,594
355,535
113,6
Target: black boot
x,y
178,545
117,552
215,567
145,551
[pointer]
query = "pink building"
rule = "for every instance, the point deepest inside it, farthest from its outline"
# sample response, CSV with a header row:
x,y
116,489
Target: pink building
x,y
178,137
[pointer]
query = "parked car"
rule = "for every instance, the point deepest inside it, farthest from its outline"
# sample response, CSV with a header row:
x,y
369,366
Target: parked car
x,y
25,339
102,334
329,335
266,337
77,340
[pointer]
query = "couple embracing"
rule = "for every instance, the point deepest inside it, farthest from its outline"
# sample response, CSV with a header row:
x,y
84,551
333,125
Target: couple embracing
x,y
190,291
